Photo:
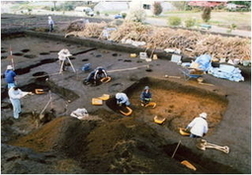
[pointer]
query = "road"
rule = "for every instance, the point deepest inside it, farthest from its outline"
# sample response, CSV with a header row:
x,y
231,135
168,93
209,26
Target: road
x,y
163,22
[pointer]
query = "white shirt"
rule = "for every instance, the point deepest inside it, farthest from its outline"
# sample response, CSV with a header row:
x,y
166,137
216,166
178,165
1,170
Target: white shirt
x,y
16,94
122,98
63,54
198,126
50,21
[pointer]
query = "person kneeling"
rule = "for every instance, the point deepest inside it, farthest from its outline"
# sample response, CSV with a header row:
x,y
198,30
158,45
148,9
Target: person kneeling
x,y
95,76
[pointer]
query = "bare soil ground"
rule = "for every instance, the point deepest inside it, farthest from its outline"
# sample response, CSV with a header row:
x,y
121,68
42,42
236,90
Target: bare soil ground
x,y
106,141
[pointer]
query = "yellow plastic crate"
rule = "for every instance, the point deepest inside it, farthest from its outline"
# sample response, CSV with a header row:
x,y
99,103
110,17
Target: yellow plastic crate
x,y
96,101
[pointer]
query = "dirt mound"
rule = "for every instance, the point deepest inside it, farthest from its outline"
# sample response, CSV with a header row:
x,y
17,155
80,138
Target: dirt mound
x,y
119,146
59,134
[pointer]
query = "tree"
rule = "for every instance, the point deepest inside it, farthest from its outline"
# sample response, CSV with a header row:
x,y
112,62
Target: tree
x,y
54,6
157,8
206,15
137,15
247,3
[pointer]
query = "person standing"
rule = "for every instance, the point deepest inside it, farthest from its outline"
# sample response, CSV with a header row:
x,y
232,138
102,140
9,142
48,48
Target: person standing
x,y
198,126
15,94
10,77
145,96
62,55
51,24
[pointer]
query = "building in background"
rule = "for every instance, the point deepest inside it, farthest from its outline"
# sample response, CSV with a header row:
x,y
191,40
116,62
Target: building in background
x,y
148,5
104,6
207,3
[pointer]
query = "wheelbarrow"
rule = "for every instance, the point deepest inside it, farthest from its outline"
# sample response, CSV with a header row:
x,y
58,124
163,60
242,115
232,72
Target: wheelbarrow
x,y
189,73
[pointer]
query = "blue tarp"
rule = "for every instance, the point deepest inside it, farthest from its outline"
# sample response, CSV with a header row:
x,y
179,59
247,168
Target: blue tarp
x,y
204,62
229,72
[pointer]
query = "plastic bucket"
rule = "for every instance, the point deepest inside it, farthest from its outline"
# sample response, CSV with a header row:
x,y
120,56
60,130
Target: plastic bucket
x,y
245,62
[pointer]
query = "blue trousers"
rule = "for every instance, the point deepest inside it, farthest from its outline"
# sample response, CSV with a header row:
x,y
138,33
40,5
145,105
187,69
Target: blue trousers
x,y
194,136
16,107
11,85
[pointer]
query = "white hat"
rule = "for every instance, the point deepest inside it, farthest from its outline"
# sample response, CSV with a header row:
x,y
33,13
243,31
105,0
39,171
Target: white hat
x,y
9,67
118,95
203,115
146,87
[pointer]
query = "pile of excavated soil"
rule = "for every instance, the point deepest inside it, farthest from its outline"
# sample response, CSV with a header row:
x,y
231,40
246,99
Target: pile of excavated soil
x,y
117,146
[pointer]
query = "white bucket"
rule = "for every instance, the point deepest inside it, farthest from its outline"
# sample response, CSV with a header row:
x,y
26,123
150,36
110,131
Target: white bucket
x,y
245,62
143,55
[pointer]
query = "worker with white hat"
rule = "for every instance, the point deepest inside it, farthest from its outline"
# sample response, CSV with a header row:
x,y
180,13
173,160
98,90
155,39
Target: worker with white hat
x,y
10,76
198,126
63,54
122,99
51,24
15,95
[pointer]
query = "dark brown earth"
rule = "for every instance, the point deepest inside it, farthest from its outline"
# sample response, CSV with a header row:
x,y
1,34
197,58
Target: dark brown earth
x,y
108,142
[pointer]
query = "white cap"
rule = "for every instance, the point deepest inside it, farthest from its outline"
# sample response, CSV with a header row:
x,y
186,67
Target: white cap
x,y
9,67
203,115
146,87
118,95
49,17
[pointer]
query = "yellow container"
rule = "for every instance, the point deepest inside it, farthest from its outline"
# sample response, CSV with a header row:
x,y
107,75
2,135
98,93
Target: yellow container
x,y
96,101
133,55
159,120
155,57
104,97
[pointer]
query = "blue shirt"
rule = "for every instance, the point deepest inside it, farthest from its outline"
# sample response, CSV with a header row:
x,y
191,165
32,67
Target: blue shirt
x,y
9,76
145,94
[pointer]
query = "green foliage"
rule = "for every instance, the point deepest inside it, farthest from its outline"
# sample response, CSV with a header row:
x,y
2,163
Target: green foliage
x,y
124,15
247,3
98,13
174,21
157,8
232,26
206,15
190,22
70,5
67,6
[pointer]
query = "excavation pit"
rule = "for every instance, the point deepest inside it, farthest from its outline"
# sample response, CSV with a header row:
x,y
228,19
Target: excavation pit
x,y
177,103
40,76
201,164
117,144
